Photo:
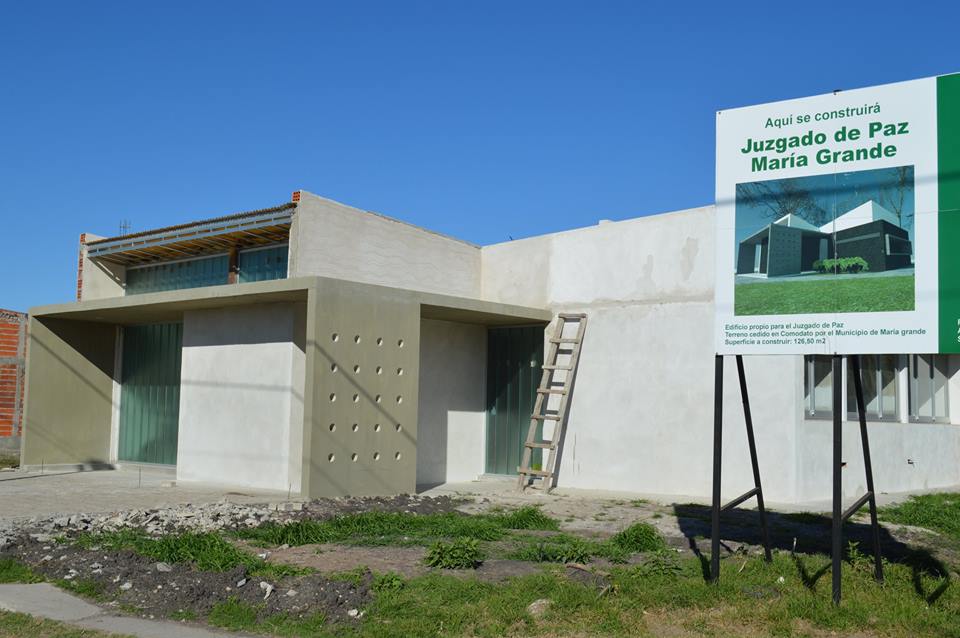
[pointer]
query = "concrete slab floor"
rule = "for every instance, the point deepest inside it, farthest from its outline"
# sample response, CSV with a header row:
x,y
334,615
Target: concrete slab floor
x,y
43,600
25,495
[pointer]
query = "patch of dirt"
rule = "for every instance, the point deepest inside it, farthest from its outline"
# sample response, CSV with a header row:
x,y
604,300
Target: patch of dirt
x,y
406,561
128,580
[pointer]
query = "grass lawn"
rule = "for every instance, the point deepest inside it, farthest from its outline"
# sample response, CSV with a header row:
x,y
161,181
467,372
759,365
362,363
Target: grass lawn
x,y
939,512
810,296
666,594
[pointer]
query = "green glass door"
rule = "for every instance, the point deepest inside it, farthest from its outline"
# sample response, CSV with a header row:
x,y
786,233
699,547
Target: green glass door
x,y
150,393
514,359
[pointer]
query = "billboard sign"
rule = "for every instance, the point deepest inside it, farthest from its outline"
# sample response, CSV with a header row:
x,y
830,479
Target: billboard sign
x,y
838,223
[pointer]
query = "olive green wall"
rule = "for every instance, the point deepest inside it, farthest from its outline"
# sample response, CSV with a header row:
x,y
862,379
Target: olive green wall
x,y
69,392
361,390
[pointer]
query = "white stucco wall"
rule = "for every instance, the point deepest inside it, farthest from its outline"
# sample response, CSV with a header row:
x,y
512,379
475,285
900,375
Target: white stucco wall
x,y
330,239
452,405
905,457
641,417
239,399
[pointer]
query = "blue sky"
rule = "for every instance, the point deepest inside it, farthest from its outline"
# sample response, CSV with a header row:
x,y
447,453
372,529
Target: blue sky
x,y
484,120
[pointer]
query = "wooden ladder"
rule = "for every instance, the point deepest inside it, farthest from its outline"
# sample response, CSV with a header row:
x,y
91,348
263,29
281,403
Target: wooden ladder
x,y
556,381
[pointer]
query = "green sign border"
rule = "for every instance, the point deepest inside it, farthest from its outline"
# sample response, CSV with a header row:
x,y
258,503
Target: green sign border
x,y
948,218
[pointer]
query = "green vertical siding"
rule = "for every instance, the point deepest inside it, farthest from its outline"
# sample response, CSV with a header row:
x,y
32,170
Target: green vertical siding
x,y
514,359
209,271
263,264
150,393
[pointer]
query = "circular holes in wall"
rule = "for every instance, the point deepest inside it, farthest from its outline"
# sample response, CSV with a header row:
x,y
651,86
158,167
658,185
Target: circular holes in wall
x,y
356,398
353,457
333,427
331,457
355,427
379,369
356,369
378,398
399,372
398,427
333,367
356,339
399,399
335,337
396,457
376,456
333,397
400,343
376,427
379,341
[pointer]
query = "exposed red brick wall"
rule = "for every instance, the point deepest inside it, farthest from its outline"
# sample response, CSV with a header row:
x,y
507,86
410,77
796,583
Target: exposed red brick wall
x,y
13,341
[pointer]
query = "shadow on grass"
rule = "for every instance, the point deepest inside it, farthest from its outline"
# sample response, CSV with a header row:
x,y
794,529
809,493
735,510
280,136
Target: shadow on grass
x,y
810,534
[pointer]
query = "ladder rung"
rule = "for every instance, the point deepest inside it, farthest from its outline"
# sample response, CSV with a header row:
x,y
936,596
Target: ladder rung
x,y
541,417
572,315
551,391
553,367
565,340
541,445
520,470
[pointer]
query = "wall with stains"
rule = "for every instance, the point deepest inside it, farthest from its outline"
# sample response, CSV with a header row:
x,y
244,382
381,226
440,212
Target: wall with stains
x,y
641,415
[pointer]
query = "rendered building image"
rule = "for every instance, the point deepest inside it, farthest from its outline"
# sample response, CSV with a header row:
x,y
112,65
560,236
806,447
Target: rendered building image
x,y
791,245
325,350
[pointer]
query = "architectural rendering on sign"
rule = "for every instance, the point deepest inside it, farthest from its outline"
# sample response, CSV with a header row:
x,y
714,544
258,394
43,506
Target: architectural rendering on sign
x,y
832,232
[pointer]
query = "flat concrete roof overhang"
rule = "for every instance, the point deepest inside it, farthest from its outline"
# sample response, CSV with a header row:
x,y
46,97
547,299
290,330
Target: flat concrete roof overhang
x,y
157,307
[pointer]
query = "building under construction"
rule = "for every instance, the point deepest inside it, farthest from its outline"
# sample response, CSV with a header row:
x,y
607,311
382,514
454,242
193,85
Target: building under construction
x,y
325,350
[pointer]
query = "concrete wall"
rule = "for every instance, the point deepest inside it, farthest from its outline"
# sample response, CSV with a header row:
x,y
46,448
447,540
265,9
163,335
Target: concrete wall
x,y
362,363
241,396
905,457
69,399
452,404
333,240
641,415
96,279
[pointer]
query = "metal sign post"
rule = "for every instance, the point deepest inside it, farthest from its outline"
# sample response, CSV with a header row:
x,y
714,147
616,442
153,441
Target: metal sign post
x,y
839,516
717,457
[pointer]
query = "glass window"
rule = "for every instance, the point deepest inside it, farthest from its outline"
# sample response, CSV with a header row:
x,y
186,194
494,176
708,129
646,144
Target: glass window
x,y
878,375
818,385
262,264
928,388
208,271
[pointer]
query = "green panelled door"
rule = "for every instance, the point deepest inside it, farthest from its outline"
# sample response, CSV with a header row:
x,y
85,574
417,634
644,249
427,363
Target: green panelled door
x,y
514,357
150,393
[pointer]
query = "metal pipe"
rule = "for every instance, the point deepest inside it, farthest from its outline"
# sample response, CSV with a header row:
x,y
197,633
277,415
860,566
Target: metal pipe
x,y
868,469
717,453
837,532
751,441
